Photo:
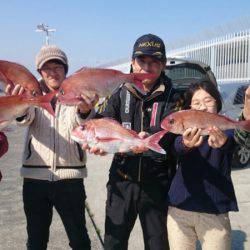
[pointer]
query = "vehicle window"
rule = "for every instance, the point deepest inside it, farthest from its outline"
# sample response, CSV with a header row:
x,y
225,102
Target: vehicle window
x,y
240,95
182,72
233,98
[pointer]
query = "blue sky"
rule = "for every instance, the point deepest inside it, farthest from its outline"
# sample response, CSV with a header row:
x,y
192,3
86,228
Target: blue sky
x,y
97,32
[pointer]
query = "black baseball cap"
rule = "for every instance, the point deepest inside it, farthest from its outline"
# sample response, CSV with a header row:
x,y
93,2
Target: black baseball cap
x,y
149,45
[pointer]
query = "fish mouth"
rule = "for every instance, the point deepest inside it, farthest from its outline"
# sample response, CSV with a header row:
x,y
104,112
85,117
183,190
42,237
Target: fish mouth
x,y
165,126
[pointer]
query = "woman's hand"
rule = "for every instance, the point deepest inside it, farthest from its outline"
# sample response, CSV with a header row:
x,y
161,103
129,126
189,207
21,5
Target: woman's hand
x,y
192,137
216,138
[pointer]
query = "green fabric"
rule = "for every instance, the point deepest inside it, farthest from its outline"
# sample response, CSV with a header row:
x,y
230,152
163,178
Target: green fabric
x,y
241,136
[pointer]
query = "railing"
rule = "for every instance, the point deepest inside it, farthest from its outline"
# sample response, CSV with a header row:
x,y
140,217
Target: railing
x,y
228,56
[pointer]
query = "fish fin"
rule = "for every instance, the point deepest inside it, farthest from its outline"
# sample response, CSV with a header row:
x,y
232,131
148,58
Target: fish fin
x,y
138,78
45,102
81,69
245,125
152,142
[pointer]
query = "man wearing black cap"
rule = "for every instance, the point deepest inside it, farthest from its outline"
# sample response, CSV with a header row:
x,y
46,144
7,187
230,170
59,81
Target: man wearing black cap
x,y
139,181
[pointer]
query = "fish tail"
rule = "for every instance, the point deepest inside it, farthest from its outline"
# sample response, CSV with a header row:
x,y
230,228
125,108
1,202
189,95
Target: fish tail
x,y
245,125
138,78
45,102
152,142
135,78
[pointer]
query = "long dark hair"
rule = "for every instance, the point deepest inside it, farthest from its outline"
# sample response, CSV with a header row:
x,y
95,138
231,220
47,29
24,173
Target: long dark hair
x,y
207,86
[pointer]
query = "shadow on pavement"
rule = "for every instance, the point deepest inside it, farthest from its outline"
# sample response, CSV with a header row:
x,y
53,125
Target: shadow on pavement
x,y
238,239
234,168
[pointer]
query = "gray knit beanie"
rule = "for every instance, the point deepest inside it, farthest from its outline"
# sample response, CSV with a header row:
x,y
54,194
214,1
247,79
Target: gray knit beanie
x,y
51,52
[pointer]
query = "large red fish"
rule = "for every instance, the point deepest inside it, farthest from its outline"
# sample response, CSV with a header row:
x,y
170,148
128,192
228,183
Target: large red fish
x,y
14,73
93,81
111,137
12,107
179,121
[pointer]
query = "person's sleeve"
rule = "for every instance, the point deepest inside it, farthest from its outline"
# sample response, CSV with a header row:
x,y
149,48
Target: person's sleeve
x,y
153,130
174,143
27,118
109,108
179,148
4,146
229,145
167,141
80,117
242,137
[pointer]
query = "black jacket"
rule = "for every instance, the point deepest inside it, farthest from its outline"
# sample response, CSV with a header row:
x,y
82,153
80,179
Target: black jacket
x,y
142,113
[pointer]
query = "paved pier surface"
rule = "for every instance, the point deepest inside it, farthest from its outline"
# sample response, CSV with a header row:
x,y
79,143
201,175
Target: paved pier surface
x,y
12,218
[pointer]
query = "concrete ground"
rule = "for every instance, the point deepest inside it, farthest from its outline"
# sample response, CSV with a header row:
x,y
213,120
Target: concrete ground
x,y
12,219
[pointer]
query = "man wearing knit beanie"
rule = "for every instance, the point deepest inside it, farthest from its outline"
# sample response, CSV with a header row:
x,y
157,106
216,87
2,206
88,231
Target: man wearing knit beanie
x,y
53,165
51,52
52,64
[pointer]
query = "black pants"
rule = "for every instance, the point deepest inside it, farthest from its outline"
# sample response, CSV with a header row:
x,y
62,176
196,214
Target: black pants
x,y
125,201
68,198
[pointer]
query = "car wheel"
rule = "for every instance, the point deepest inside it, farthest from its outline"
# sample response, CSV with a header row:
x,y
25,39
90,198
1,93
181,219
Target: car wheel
x,y
241,157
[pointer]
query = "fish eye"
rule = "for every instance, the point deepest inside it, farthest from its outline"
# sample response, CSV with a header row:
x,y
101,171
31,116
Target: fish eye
x,y
62,91
171,121
34,93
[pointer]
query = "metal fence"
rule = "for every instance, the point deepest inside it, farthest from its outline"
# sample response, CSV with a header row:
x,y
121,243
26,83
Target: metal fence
x,y
228,56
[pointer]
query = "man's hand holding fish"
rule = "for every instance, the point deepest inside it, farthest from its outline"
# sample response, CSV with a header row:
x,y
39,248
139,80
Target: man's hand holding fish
x,y
87,102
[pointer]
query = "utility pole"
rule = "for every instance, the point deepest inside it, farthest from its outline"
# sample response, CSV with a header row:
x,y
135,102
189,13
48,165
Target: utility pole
x,y
45,28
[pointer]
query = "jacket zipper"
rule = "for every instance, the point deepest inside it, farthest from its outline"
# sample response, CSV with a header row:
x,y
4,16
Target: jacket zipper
x,y
140,160
54,146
